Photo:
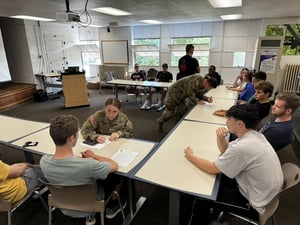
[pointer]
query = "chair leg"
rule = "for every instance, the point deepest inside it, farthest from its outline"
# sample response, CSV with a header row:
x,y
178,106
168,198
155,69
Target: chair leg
x,y
102,218
43,202
243,218
9,217
273,220
120,204
50,215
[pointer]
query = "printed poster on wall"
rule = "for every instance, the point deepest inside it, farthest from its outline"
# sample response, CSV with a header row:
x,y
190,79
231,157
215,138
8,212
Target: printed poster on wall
x,y
267,61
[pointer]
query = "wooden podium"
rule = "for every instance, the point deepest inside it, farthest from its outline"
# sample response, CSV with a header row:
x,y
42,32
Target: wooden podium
x,y
75,90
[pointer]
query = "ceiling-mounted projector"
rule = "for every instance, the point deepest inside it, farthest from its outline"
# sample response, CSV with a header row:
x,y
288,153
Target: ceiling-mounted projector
x,y
67,17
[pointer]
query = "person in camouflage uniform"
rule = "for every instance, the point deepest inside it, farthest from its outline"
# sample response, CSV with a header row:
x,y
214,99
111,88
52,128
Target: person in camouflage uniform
x,y
109,121
185,93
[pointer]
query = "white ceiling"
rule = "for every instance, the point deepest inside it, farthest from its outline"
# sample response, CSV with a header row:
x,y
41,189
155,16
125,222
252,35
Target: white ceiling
x,y
167,11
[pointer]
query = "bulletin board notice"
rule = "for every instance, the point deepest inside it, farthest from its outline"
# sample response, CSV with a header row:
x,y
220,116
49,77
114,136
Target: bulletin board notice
x,y
115,52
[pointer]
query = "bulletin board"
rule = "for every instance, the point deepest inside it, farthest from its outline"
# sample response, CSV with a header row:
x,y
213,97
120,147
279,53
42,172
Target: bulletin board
x,y
115,52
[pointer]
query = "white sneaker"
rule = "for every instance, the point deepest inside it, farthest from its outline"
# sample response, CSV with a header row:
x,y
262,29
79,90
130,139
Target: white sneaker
x,y
145,105
157,105
149,107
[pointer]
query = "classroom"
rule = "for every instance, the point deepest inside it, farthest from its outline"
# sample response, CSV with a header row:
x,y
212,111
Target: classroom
x,y
72,63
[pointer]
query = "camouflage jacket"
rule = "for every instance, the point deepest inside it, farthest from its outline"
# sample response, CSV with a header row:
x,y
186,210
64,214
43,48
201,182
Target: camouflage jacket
x,y
187,87
104,126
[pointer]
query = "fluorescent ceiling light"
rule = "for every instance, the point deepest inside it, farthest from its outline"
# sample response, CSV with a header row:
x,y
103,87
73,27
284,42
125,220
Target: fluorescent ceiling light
x,y
225,3
93,25
32,18
231,17
112,11
151,21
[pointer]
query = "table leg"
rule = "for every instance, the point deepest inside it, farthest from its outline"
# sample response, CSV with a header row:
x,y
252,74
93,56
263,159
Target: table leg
x,y
116,90
150,97
174,207
134,207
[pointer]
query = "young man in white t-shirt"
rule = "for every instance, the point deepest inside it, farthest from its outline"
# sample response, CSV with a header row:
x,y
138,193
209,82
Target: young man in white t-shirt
x,y
251,171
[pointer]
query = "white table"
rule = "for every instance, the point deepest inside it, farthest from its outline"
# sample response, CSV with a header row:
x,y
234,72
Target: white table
x,y
143,148
46,146
204,113
149,84
169,168
46,80
222,92
13,128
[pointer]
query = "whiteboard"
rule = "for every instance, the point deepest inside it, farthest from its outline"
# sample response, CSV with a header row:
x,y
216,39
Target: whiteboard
x,y
4,71
115,52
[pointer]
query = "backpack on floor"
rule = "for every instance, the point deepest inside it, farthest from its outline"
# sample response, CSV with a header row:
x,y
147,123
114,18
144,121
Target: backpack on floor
x,y
40,95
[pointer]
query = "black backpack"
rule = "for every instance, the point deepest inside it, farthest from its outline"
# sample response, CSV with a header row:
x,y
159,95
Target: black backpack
x,y
40,95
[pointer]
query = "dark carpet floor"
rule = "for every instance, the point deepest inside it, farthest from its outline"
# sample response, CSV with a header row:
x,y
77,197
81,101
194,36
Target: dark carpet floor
x,y
155,209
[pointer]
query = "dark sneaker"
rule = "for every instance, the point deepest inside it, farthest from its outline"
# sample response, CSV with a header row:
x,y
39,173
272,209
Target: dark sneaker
x,y
113,210
161,108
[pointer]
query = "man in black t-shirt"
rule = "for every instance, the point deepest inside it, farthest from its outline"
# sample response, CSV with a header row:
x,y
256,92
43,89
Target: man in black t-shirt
x,y
162,76
213,73
188,65
139,75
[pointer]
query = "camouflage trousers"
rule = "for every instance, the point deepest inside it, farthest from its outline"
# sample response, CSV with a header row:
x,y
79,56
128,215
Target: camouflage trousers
x,y
173,109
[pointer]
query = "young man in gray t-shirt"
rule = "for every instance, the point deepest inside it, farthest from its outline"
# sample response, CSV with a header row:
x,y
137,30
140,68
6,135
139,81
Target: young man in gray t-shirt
x,y
249,164
63,168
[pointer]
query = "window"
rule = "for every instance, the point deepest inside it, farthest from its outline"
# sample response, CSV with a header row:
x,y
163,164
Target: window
x,y
239,59
90,56
146,51
290,32
201,51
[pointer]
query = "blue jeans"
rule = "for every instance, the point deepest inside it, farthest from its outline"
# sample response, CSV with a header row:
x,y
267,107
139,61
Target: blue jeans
x,y
31,177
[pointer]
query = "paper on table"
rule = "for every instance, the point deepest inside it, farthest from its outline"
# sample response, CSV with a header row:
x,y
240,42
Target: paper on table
x,y
209,103
97,146
124,157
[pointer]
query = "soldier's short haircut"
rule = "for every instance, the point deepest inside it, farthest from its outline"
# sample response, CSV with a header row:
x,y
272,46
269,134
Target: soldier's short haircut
x,y
212,81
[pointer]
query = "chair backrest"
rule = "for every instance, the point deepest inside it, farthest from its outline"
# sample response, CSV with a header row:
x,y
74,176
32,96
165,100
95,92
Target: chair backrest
x,y
270,209
263,121
291,173
151,74
108,76
291,177
5,205
79,197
